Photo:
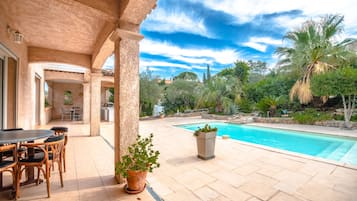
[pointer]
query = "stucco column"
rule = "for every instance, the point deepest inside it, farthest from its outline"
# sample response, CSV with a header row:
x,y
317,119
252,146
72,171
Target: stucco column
x,y
95,103
86,103
126,91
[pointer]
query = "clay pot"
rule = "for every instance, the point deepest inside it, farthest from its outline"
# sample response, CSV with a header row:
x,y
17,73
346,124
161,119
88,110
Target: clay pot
x,y
136,181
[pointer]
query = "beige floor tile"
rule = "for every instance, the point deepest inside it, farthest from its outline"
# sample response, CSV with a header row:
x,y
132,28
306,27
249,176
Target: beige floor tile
x,y
229,177
194,179
284,197
317,192
229,191
206,194
246,169
259,186
184,195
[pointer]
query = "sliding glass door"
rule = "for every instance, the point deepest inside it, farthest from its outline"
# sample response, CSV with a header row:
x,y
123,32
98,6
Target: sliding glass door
x,y
8,88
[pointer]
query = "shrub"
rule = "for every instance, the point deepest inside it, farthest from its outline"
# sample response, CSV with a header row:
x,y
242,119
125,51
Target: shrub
x,y
310,116
339,117
245,105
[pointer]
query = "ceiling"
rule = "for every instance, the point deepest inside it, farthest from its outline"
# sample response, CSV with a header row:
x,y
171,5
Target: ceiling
x,y
65,25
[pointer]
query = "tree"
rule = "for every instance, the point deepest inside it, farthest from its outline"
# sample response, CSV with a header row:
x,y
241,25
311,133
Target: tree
x,y
180,95
241,70
314,51
150,92
208,73
342,82
221,94
189,76
257,70
204,78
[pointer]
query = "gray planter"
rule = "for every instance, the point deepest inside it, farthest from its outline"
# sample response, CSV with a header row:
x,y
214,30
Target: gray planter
x,y
205,145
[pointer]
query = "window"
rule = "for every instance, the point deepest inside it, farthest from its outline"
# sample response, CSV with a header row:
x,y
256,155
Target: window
x,y
68,98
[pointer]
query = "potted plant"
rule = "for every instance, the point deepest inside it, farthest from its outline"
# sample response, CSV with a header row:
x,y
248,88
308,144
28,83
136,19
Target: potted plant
x,y
206,140
141,158
162,115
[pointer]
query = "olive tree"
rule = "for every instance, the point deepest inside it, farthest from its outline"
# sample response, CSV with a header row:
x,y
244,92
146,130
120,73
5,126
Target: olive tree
x,y
342,82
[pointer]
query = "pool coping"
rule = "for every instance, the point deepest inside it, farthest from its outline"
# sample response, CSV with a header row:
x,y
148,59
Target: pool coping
x,y
276,150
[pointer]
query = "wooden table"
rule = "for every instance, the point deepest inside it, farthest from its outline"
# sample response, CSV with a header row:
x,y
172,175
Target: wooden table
x,y
17,136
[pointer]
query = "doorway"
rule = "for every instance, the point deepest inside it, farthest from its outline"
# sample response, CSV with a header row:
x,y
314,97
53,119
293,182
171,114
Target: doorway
x,y
1,93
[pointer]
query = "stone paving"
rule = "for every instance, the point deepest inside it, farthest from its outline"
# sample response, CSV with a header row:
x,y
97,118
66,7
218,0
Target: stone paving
x,y
241,172
89,175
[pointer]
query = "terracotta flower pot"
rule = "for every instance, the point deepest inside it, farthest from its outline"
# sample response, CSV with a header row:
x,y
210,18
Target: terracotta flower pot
x,y
136,181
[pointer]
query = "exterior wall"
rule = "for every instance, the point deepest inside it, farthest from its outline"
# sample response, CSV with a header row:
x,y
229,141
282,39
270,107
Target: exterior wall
x,y
24,89
58,97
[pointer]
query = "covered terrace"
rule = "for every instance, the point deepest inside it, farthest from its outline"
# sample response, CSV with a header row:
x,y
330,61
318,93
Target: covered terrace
x,y
82,33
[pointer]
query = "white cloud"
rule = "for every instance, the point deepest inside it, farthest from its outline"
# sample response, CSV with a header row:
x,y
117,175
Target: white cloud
x,y
257,46
246,10
153,63
224,56
261,43
166,21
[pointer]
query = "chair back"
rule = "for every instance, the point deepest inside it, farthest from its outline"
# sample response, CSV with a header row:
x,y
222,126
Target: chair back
x,y
9,148
54,146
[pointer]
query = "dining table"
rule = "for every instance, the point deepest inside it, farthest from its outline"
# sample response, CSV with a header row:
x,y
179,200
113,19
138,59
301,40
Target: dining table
x,y
20,136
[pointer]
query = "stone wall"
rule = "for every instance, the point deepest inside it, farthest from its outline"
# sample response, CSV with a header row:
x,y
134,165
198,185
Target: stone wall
x,y
58,97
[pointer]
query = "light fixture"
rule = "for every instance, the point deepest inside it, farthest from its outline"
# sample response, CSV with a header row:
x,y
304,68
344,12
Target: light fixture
x,y
16,36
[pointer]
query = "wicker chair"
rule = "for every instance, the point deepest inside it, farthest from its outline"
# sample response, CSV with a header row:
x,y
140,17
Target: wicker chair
x,y
62,131
9,164
43,154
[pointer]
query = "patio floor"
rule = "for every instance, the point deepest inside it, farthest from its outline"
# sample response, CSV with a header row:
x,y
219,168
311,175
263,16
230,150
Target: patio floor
x,y
239,172
89,175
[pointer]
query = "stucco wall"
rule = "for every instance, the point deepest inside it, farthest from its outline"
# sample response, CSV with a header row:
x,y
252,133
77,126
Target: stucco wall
x,y
58,97
24,89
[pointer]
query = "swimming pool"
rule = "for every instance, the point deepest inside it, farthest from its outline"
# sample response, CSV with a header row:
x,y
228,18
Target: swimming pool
x,y
318,145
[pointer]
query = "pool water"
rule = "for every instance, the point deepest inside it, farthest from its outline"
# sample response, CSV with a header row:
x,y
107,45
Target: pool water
x,y
328,147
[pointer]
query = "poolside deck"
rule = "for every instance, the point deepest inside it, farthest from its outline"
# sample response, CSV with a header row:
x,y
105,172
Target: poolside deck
x,y
242,172
239,172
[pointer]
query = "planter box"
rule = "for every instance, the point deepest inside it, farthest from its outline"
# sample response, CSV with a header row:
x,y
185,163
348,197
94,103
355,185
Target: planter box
x,y
206,144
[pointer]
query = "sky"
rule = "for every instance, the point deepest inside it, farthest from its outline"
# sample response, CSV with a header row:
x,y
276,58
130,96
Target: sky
x,y
188,35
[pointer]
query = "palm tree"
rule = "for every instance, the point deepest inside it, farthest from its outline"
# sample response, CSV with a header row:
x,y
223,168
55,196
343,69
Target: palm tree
x,y
220,93
314,50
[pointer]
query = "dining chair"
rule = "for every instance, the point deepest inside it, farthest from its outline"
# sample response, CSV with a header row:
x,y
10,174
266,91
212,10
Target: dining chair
x,y
20,152
66,113
62,131
9,164
45,154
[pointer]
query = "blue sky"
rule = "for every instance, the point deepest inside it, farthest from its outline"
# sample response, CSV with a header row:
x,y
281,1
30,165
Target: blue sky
x,y
186,35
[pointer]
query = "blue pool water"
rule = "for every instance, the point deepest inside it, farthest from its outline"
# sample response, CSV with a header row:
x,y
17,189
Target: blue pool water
x,y
318,145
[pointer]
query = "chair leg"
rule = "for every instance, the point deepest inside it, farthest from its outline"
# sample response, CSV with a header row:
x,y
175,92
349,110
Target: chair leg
x,y
38,176
60,171
64,159
18,181
48,170
14,179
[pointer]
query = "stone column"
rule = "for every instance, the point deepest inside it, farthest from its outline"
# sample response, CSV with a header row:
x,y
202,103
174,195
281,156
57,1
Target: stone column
x,y
95,84
86,102
126,91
